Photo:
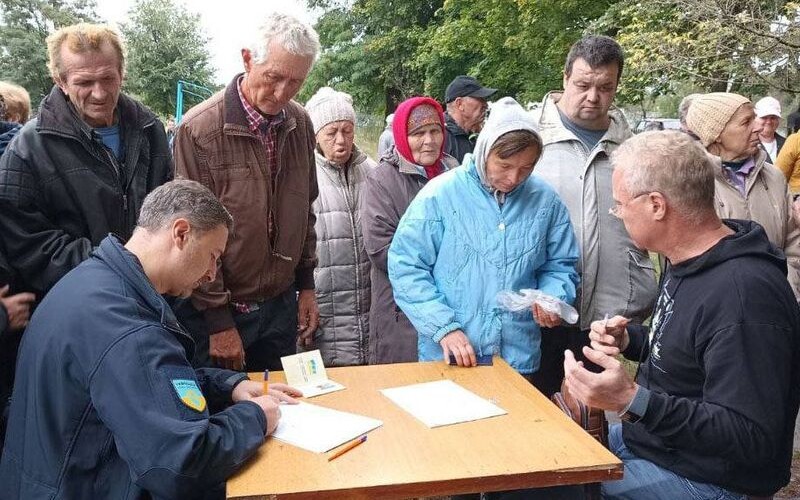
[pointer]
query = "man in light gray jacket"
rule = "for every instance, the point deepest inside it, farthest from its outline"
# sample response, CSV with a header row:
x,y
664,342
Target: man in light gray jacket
x,y
580,130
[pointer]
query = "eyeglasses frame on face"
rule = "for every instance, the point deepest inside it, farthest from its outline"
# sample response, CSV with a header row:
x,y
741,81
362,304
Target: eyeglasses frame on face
x,y
614,211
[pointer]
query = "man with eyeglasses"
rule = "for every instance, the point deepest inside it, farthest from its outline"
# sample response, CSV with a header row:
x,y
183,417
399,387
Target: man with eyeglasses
x,y
711,411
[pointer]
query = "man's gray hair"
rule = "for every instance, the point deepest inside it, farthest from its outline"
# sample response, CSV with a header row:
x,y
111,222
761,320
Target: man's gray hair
x,y
295,36
184,199
683,108
672,163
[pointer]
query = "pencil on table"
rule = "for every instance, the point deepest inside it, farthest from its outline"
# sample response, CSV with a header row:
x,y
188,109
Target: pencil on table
x,y
349,446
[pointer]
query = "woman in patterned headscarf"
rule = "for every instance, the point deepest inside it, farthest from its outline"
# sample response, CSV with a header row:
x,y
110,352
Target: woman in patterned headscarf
x,y
416,157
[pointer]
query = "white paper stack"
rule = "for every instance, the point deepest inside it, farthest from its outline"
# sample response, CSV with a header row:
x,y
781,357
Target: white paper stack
x,y
442,403
318,429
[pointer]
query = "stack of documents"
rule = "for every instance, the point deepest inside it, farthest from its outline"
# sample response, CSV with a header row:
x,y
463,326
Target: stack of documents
x,y
318,429
442,403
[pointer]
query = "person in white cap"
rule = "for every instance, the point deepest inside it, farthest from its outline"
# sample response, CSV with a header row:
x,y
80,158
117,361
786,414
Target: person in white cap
x,y
746,185
341,277
768,115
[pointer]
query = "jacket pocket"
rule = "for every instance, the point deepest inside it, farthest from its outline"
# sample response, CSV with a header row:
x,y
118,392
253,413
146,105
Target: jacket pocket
x,y
223,173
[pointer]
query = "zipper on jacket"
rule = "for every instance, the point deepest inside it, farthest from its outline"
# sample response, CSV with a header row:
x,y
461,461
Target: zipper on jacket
x,y
120,182
358,278
116,169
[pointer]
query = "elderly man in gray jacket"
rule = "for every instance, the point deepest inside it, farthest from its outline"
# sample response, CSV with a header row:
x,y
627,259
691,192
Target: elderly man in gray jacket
x,y
580,130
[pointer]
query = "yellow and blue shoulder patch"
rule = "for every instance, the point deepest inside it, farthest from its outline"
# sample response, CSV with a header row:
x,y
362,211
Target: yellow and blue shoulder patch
x,y
189,393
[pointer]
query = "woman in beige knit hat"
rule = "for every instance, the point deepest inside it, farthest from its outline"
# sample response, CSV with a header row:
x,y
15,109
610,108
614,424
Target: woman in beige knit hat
x,y
341,278
746,186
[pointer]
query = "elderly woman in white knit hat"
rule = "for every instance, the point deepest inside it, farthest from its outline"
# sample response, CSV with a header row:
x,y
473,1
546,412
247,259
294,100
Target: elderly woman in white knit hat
x,y
342,276
746,186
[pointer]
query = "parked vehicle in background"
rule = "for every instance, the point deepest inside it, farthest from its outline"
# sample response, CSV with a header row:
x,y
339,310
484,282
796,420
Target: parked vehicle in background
x,y
668,123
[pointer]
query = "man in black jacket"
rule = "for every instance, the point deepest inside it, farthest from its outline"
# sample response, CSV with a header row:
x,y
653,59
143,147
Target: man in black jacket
x,y
466,110
77,172
82,168
712,410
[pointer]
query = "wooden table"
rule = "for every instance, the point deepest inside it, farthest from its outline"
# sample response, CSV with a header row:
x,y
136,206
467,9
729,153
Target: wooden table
x,y
535,444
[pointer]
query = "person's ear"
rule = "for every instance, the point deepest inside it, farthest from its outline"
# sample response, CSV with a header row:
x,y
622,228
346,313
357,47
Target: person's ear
x,y
247,60
59,81
180,233
658,204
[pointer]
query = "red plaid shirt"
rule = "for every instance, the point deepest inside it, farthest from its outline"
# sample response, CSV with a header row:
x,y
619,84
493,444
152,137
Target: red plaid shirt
x,y
264,127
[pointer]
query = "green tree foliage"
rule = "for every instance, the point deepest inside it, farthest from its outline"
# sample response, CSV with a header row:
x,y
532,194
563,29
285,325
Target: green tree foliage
x,y
165,44
715,45
518,46
382,51
24,26
371,49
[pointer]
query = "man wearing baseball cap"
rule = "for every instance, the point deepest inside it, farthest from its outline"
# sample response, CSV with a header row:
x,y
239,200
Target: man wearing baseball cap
x,y
466,108
768,114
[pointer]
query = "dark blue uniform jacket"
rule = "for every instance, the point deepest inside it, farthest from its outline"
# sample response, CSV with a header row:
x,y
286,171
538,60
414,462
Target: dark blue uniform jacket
x,y
106,404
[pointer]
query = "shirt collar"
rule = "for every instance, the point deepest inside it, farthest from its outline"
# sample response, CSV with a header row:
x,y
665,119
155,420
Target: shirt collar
x,y
256,120
748,166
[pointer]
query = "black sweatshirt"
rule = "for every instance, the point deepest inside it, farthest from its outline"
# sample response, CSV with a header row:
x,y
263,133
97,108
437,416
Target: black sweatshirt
x,y
721,367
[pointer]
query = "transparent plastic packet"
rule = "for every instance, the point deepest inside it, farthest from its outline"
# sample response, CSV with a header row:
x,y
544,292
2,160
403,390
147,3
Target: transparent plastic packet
x,y
525,298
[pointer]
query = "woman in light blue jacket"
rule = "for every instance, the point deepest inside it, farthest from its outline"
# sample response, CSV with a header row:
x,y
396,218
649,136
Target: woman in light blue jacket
x,y
485,227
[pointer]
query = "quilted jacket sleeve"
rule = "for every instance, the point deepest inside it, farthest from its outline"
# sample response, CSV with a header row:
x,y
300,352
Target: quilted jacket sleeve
x,y
36,248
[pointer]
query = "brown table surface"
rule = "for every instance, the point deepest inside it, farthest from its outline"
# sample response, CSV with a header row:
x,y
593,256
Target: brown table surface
x,y
535,444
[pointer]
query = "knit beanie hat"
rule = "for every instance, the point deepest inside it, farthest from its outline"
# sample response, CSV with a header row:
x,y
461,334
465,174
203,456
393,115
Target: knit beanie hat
x,y
709,113
328,106
506,115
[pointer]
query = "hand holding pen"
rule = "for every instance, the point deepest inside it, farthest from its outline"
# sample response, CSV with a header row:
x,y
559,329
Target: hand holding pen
x,y
610,335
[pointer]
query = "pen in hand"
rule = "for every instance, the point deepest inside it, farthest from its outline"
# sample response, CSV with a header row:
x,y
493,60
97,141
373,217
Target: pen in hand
x,y
266,382
349,446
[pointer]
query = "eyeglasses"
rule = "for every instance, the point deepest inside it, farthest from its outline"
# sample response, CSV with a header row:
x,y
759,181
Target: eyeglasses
x,y
615,210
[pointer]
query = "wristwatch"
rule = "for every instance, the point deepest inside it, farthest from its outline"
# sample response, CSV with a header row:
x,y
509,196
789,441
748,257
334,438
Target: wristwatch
x,y
630,416
637,406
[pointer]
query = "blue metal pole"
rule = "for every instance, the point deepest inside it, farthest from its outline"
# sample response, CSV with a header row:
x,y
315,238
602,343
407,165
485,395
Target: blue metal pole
x,y
179,103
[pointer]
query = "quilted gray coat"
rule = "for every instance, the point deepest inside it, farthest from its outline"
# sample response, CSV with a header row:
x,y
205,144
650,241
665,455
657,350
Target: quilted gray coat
x,y
341,279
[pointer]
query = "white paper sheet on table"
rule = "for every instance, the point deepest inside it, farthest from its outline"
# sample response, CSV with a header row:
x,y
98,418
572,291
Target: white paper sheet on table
x,y
442,403
319,429
305,371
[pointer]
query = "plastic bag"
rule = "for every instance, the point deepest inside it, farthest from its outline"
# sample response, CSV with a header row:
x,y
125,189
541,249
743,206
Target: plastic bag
x,y
525,298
